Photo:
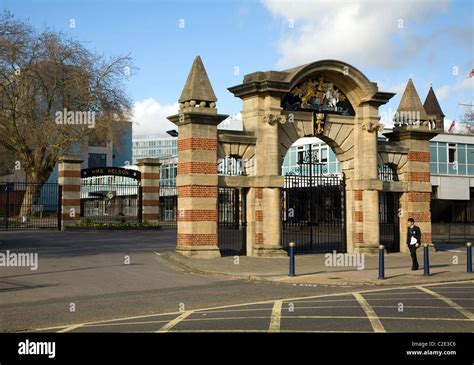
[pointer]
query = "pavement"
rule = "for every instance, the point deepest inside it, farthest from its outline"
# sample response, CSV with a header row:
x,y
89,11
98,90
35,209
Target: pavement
x,y
447,263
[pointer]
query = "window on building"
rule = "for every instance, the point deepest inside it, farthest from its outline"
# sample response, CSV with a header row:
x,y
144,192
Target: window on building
x,y
388,172
97,160
452,153
324,155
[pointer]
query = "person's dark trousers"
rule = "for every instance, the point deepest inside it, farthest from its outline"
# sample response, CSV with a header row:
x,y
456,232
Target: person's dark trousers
x,y
414,265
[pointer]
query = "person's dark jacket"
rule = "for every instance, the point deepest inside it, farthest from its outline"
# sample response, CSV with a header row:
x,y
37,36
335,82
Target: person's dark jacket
x,y
414,231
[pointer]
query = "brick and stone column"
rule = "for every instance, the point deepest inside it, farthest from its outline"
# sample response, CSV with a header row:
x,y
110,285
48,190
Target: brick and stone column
x,y
69,177
150,183
197,166
416,201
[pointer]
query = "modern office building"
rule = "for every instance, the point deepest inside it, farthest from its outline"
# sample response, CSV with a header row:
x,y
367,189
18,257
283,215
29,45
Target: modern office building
x,y
154,147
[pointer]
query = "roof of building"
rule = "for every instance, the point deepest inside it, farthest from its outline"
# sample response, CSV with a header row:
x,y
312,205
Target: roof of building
x,y
197,87
411,103
431,104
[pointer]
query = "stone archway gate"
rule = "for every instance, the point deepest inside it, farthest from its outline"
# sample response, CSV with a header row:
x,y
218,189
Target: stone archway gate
x,y
279,108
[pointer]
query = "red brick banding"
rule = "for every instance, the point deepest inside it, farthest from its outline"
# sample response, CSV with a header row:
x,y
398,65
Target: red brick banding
x,y
420,216
151,189
201,144
197,191
151,176
198,215
259,215
358,216
198,239
418,156
258,193
358,195
151,203
418,176
197,168
150,216
75,188
359,238
426,237
419,197
259,238
71,202
69,173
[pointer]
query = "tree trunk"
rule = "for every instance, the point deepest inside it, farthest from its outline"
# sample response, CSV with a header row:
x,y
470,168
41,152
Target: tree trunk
x,y
31,197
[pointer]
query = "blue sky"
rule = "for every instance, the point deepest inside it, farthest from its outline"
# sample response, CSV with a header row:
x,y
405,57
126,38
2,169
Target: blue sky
x,y
430,41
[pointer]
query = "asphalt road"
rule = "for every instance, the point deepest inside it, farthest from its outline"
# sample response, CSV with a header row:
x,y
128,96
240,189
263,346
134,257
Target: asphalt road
x,y
83,280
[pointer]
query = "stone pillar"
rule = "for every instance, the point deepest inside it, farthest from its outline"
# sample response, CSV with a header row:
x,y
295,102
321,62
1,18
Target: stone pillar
x,y
268,190
150,184
69,177
366,185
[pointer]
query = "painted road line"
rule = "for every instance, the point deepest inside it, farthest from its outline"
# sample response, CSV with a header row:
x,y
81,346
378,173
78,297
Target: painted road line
x,y
276,317
167,327
270,301
449,302
71,328
394,318
371,315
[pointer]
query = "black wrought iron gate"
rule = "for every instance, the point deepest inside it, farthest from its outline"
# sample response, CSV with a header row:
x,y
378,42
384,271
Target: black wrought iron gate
x,y
232,221
389,206
111,196
313,209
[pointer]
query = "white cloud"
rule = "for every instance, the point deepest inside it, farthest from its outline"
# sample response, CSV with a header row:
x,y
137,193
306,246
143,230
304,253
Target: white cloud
x,y
459,86
149,117
372,33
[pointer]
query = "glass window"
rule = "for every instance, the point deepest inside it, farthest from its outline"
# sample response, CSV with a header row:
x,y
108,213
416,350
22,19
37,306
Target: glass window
x,y
452,153
443,168
442,153
433,168
433,152
324,154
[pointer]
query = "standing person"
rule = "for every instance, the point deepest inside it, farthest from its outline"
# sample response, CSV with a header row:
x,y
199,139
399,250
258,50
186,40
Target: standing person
x,y
413,241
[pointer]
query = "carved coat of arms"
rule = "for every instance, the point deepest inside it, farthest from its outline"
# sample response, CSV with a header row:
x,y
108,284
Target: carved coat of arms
x,y
319,95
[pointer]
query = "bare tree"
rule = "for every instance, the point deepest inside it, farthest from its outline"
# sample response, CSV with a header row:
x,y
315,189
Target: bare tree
x,y
48,85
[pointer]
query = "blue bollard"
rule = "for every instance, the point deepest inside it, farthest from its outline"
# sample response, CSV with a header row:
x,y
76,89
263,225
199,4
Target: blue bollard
x,y
469,256
292,259
381,262
426,260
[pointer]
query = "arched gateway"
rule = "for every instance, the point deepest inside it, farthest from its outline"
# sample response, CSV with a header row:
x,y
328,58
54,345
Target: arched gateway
x,y
327,99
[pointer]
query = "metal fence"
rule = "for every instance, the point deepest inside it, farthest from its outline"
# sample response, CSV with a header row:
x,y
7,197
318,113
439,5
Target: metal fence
x,y
313,211
168,207
232,222
25,205
111,203
389,204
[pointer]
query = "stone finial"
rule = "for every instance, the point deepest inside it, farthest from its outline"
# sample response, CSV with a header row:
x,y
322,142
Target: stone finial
x,y
410,111
198,89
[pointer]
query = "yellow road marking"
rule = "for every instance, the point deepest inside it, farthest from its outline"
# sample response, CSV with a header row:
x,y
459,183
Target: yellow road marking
x,y
449,302
67,329
265,302
175,321
371,315
276,317
396,318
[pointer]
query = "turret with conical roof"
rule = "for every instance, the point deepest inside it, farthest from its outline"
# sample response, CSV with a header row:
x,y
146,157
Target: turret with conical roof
x,y
197,92
433,109
410,110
